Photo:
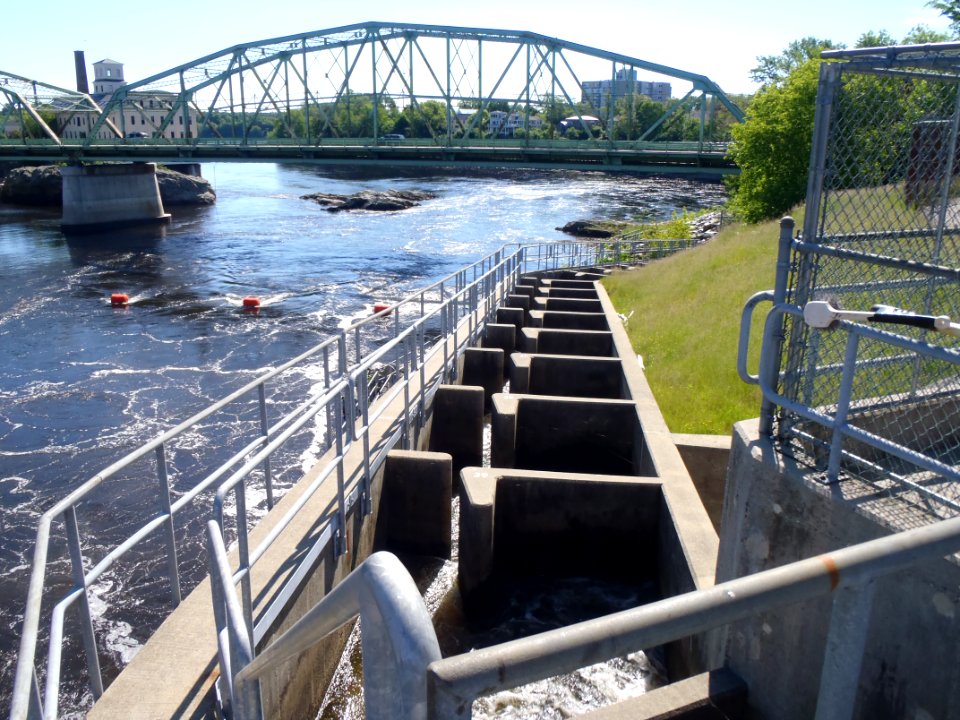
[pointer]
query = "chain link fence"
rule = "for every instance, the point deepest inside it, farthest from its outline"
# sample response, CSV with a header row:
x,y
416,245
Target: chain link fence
x,y
877,403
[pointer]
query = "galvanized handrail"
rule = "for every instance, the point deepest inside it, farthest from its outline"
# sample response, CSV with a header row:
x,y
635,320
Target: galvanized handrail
x,y
455,682
399,641
26,696
837,422
351,392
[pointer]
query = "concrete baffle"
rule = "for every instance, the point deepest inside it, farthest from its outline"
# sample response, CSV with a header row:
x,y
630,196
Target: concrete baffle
x,y
483,367
550,341
573,293
414,514
513,315
568,434
502,336
564,320
102,196
457,424
566,304
567,375
530,523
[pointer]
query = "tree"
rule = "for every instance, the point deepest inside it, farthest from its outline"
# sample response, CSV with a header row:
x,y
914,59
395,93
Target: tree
x,y
922,35
950,9
774,69
871,39
772,147
635,113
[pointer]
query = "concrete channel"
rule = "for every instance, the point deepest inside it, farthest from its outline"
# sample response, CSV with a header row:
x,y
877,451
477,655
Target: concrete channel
x,y
585,477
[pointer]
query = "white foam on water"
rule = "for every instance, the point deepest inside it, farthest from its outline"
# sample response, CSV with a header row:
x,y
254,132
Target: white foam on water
x,y
114,634
573,694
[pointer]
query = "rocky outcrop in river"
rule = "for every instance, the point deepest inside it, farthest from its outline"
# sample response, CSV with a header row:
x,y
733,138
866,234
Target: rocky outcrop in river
x,y
370,200
702,227
588,228
43,186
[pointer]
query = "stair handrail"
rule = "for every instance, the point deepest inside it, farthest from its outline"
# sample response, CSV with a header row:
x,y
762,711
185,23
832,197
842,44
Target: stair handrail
x,y
399,641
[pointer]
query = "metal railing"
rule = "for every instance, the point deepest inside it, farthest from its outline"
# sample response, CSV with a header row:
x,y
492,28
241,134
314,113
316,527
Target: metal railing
x,y
455,307
355,418
882,227
415,683
859,428
399,641
849,574
340,356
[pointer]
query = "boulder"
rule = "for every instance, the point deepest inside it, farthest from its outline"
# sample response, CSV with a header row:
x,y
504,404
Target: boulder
x,y
370,200
33,186
587,228
43,186
179,189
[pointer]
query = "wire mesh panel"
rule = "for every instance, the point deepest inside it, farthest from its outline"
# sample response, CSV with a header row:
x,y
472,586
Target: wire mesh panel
x,y
880,403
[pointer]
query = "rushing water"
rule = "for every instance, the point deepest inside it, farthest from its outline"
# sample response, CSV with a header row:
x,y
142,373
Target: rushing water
x,y
82,383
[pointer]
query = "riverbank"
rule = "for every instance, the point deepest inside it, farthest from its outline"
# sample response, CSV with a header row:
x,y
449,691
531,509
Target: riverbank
x,y
687,225
684,319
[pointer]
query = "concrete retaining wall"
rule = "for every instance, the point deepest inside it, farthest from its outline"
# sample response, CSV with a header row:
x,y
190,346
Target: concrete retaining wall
x,y
773,515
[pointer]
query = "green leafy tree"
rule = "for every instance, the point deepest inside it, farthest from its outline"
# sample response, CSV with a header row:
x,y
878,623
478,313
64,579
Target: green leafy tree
x,y
921,35
423,120
875,39
553,110
950,9
635,113
772,147
775,69
289,125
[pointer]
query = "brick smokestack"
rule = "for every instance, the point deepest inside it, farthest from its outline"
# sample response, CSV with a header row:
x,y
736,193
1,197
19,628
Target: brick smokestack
x,y
81,66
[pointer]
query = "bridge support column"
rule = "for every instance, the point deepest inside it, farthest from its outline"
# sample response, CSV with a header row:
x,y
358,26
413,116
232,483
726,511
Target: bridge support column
x,y
102,196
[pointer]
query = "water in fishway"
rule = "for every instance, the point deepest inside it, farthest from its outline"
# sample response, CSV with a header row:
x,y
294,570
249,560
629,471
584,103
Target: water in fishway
x,y
82,383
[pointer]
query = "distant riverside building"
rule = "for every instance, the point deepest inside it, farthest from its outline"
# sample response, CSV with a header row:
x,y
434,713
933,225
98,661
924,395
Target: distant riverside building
x,y
143,114
599,92
505,124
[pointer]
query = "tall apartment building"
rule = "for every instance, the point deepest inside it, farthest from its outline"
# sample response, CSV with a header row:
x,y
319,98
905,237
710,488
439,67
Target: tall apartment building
x,y
599,92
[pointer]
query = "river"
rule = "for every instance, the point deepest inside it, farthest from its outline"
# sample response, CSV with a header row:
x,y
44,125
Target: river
x,y
83,383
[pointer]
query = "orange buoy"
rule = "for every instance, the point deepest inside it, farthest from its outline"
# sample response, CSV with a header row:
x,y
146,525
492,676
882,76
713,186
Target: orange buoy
x,y
380,307
251,303
119,299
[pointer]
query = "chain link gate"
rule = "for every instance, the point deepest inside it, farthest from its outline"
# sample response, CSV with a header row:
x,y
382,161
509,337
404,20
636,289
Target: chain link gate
x,y
876,403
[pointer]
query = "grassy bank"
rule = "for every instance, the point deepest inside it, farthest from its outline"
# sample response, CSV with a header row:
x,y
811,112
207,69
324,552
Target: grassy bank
x,y
685,319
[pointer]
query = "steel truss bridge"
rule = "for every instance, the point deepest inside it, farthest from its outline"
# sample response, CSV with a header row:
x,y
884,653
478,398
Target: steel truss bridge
x,y
381,93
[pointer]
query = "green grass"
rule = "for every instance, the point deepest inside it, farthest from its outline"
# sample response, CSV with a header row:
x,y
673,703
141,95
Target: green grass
x,y
685,323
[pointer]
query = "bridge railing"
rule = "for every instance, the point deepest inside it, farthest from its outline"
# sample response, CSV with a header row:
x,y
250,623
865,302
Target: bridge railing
x,y
68,145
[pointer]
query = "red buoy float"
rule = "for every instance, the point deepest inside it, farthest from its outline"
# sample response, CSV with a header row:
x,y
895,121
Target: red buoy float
x,y
380,307
119,299
251,303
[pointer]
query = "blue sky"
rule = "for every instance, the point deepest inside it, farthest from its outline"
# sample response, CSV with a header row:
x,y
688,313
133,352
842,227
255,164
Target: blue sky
x,y
719,39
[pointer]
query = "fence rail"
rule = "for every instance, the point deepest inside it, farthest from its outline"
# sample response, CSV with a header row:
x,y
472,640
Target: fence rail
x,y
882,228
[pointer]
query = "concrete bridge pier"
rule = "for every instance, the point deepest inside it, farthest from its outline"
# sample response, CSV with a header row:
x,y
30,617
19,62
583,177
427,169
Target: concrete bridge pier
x,y
103,196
